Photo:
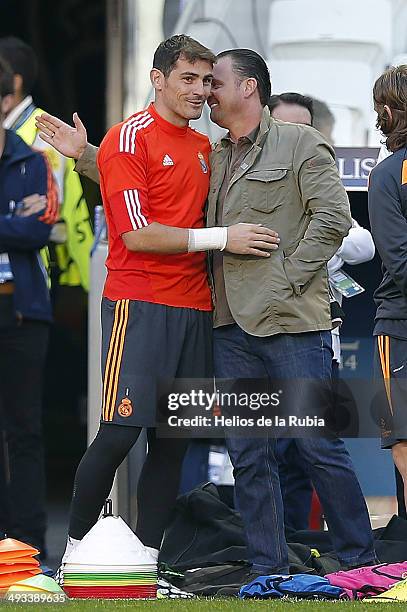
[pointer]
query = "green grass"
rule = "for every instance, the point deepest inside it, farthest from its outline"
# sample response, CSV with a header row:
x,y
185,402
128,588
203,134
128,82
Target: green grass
x,y
222,605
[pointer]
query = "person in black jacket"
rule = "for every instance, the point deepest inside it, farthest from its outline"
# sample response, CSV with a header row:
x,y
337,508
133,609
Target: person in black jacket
x,y
388,219
25,314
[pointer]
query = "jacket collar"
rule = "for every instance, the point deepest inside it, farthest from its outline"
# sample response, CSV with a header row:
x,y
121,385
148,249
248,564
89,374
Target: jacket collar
x,y
264,128
15,149
265,125
15,114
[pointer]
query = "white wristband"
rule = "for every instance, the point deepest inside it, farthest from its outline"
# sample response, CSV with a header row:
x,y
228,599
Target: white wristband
x,y
207,239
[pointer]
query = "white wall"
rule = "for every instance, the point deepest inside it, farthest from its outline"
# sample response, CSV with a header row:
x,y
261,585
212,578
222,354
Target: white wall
x,y
333,51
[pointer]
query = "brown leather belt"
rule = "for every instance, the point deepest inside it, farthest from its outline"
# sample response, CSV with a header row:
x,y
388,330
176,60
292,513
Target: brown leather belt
x,y
7,288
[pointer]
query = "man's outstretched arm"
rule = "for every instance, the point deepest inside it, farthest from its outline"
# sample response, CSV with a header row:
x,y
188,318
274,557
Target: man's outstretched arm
x,y
70,141
241,239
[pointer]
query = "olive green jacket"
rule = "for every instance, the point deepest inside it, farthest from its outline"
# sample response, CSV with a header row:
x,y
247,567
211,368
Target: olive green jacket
x,y
86,165
288,182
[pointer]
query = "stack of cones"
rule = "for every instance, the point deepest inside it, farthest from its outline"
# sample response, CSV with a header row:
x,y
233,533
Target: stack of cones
x,y
16,562
110,562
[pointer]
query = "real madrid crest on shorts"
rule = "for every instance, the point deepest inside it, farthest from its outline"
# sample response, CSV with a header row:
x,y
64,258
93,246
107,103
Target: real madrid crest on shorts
x,y
125,408
203,163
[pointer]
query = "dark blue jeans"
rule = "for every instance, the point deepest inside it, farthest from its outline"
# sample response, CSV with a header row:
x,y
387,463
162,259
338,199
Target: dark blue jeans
x,y
257,487
23,350
296,485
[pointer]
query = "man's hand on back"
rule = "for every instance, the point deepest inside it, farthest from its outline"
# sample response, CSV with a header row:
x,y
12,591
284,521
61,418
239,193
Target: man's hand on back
x,y
251,239
68,140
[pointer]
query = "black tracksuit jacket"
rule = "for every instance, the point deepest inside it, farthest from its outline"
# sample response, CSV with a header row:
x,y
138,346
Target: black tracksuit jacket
x,y
388,219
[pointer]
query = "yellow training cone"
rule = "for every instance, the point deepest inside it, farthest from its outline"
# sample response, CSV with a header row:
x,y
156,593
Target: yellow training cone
x,y
43,583
23,589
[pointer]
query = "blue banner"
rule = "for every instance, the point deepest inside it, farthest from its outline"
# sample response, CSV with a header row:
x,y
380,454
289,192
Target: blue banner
x,y
354,165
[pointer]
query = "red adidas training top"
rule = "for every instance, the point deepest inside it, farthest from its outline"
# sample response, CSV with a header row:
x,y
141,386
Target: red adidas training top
x,y
151,170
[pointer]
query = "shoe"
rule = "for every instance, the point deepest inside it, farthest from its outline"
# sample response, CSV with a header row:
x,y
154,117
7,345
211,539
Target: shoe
x,y
59,576
70,546
165,590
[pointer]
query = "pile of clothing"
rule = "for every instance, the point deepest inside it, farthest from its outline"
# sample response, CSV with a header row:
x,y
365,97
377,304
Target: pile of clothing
x,y
384,582
204,553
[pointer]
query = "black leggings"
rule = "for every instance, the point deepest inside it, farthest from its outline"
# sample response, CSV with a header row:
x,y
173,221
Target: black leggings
x,y
157,487
401,502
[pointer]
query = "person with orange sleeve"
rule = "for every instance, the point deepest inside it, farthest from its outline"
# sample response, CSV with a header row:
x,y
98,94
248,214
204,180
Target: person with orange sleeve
x,y
27,200
156,306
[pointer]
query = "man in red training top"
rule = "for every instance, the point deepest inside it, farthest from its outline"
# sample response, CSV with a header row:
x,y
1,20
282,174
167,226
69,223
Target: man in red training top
x,y
156,306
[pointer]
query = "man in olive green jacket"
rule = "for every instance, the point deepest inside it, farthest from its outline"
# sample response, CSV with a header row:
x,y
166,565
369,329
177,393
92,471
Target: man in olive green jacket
x,y
288,182
272,313
272,316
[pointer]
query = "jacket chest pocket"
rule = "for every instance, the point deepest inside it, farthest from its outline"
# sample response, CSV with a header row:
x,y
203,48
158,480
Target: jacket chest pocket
x,y
266,188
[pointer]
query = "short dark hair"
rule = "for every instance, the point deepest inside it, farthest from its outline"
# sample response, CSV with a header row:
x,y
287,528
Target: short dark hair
x,y
248,64
391,89
6,79
22,60
169,51
322,115
292,97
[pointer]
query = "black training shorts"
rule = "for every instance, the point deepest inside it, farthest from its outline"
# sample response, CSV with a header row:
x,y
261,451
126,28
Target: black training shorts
x,y
143,343
391,380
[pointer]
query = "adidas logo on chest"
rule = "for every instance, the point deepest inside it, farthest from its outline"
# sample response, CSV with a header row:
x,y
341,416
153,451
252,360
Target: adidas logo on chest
x,y
167,161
